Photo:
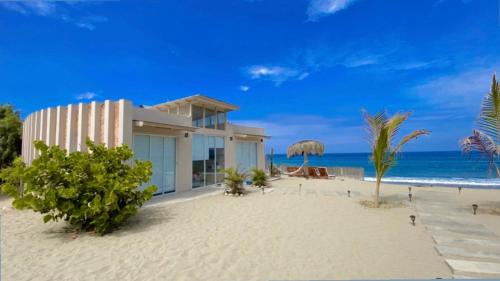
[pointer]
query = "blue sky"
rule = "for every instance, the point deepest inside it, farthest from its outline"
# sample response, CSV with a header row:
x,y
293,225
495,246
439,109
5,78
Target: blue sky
x,y
302,69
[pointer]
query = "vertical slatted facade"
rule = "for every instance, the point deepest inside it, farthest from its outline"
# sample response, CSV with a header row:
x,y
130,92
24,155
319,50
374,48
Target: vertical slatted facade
x,y
69,126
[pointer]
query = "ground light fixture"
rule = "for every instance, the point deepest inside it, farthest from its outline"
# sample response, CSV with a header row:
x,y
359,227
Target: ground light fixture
x,y
474,208
348,193
412,218
300,187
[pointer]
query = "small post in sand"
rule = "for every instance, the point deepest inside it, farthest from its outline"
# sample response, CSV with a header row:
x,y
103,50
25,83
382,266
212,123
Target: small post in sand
x,y
474,208
412,218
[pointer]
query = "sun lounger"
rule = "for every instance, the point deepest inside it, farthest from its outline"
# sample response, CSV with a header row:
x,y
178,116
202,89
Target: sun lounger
x,y
323,173
313,172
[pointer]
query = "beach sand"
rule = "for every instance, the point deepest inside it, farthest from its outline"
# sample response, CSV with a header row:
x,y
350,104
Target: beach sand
x,y
318,233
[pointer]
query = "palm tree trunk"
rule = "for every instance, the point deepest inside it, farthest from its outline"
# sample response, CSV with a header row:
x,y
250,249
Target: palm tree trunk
x,y
377,192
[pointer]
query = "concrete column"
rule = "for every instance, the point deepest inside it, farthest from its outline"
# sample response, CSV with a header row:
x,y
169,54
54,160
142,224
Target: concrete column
x,y
108,127
230,151
95,122
50,135
184,163
71,128
125,123
82,131
261,154
60,126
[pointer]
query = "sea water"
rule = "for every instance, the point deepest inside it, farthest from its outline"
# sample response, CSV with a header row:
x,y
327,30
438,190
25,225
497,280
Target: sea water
x,y
443,168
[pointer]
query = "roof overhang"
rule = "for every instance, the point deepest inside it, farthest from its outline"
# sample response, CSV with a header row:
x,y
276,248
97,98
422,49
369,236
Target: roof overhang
x,y
198,100
138,123
245,136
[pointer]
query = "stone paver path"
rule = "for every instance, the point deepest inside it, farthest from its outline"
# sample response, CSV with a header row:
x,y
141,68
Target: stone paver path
x,y
470,249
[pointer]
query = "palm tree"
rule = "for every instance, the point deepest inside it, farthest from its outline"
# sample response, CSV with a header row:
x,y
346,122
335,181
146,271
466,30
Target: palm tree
x,y
486,138
383,130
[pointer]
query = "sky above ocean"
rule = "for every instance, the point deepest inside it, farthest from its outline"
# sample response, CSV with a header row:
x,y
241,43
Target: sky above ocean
x,y
301,69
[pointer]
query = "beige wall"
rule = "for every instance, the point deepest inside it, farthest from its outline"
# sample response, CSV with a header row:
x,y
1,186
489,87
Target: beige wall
x,y
112,123
69,126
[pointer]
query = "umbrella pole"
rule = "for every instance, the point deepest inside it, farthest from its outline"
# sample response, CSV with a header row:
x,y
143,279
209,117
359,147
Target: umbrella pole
x,y
305,166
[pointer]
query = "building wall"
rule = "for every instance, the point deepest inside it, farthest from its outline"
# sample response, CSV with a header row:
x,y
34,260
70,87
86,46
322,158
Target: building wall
x,y
69,126
111,123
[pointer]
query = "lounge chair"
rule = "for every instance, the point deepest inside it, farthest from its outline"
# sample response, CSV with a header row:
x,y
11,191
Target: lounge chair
x,y
323,173
313,172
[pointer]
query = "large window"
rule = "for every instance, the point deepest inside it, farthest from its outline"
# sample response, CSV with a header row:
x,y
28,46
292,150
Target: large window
x,y
208,160
197,116
221,120
246,156
209,118
161,152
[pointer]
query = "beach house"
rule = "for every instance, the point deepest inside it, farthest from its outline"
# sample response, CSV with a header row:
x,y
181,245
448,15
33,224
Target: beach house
x,y
188,140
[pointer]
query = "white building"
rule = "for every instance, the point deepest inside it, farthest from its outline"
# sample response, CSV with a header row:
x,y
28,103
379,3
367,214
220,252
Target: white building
x,y
188,140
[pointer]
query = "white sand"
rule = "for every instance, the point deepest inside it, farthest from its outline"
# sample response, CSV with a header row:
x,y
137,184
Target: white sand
x,y
280,235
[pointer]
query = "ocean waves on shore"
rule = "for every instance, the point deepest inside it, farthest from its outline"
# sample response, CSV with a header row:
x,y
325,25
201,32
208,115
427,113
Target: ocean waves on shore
x,y
437,181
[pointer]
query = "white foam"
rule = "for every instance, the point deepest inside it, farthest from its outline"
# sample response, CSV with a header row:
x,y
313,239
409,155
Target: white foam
x,y
493,182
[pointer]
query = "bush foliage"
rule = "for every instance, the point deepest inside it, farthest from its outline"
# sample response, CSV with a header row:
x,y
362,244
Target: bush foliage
x,y
95,191
10,135
259,178
234,180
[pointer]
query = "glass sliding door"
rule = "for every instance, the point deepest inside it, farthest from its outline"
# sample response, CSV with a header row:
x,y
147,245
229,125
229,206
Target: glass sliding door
x,y
161,152
199,157
208,160
246,156
169,164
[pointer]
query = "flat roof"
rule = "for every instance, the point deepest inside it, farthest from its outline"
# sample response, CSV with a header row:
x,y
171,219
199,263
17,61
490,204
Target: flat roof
x,y
199,100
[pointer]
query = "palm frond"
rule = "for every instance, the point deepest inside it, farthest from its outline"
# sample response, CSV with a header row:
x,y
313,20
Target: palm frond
x,y
395,122
482,143
413,135
374,124
489,116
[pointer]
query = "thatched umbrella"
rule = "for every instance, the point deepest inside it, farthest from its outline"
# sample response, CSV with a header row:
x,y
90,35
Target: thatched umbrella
x,y
305,148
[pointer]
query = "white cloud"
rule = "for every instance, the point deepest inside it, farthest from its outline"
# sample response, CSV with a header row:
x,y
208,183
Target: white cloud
x,y
276,74
37,7
53,9
244,88
86,96
86,25
321,8
462,90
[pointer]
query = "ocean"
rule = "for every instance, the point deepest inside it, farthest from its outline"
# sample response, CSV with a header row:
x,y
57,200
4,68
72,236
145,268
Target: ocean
x,y
443,168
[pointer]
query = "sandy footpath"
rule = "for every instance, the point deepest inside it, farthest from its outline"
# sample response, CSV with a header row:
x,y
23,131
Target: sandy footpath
x,y
318,233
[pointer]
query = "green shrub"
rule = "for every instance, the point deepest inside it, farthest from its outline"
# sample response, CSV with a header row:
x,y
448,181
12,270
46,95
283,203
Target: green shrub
x,y
234,181
259,178
95,191
10,135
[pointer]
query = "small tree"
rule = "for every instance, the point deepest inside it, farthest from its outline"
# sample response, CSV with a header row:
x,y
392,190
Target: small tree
x,y
95,191
259,179
234,180
10,135
383,130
